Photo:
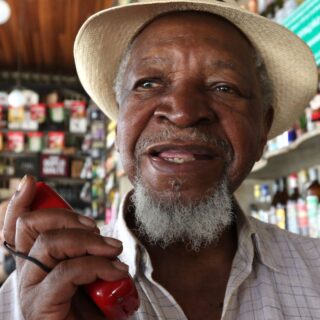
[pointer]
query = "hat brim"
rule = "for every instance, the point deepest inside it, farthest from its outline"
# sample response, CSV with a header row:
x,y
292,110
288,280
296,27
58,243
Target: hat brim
x,y
105,36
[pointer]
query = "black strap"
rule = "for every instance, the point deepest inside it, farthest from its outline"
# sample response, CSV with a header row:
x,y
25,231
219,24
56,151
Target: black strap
x,y
26,257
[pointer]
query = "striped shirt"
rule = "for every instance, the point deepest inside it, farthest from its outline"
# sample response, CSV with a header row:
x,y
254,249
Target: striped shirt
x,y
275,275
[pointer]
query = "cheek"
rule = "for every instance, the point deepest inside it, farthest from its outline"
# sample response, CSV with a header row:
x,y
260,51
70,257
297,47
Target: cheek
x,y
244,137
131,124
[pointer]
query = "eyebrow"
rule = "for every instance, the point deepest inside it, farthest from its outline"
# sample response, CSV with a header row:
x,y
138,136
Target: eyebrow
x,y
228,65
154,61
218,65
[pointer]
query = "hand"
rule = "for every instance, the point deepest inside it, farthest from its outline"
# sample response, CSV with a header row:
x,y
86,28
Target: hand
x,y
71,246
3,209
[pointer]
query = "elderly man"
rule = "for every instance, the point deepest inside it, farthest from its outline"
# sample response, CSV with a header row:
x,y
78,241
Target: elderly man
x,y
199,89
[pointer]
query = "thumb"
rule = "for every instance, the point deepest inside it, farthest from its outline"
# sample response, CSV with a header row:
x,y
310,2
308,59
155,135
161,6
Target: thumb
x,y
19,203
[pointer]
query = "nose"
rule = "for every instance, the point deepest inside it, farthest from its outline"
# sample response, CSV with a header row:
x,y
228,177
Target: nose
x,y
185,106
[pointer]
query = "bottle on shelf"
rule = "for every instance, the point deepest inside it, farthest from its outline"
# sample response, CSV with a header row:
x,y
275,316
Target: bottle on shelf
x,y
254,207
303,220
260,208
265,203
314,186
292,209
279,202
312,199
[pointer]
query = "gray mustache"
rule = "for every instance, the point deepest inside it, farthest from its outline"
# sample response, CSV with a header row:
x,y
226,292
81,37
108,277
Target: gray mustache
x,y
187,135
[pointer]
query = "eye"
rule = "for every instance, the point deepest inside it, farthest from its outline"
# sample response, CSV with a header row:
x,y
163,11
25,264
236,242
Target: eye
x,y
146,84
224,88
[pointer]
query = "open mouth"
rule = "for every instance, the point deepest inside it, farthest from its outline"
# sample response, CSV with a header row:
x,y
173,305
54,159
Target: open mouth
x,y
180,154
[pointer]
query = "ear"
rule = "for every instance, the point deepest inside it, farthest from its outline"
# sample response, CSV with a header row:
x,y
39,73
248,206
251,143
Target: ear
x,y
266,126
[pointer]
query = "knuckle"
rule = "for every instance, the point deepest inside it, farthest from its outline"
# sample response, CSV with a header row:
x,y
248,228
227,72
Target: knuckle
x,y
62,270
46,241
42,241
22,222
7,235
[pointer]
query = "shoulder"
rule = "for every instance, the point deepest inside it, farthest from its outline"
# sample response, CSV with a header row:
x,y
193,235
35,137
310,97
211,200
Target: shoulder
x,y
288,248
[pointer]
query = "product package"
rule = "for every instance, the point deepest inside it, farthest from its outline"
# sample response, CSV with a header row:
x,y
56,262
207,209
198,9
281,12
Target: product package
x,y
15,141
56,111
15,117
1,142
76,167
26,165
4,98
54,166
38,112
35,141
32,97
77,109
56,141
28,123
98,134
78,120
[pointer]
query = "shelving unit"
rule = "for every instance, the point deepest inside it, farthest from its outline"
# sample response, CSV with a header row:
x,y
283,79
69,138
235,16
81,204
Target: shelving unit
x,y
74,167
302,153
299,155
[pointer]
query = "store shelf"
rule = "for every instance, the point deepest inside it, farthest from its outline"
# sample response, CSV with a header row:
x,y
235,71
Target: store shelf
x,y
63,180
76,134
11,154
302,153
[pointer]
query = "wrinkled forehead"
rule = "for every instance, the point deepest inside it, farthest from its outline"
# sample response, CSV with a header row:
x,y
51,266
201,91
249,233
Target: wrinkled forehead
x,y
187,20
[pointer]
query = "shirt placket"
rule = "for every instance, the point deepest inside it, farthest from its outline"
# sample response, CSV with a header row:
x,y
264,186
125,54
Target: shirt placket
x,y
240,271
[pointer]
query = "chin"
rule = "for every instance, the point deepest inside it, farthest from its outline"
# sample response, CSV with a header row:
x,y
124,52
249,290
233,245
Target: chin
x,y
177,189
178,215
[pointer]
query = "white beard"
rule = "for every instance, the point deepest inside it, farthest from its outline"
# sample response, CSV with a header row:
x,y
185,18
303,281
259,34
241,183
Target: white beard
x,y
167,221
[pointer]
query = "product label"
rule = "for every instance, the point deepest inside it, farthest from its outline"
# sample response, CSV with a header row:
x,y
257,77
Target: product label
x,y
281,217
312,207
53,165
292,219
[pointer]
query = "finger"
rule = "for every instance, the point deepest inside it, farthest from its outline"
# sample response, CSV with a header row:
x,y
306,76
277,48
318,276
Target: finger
x,y
58,287
3,208
56,245
84,270
18,204
31,224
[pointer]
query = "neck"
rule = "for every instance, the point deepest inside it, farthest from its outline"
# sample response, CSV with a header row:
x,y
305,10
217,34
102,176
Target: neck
x,y
187,274
178,256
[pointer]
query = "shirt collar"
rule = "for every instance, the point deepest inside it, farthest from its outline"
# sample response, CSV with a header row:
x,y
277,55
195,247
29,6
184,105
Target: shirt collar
x,y
256,233
131,253
251,232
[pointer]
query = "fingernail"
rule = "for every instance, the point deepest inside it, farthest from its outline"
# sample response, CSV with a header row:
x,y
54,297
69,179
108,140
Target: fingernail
x,y
121,266
113,242
22,182
86,221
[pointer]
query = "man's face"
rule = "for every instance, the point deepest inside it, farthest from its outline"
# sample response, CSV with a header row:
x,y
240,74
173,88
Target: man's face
x,y
191,109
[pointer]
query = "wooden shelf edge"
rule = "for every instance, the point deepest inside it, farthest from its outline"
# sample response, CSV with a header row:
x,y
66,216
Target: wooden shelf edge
x,y
302,153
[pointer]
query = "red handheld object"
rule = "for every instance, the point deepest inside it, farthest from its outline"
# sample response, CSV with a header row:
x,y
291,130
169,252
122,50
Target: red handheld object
x,y
116,299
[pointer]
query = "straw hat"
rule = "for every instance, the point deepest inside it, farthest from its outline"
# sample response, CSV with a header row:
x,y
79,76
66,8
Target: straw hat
x,y
104,37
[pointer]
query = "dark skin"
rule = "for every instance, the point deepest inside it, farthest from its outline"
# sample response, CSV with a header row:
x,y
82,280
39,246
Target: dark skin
x,y
198,72
197,280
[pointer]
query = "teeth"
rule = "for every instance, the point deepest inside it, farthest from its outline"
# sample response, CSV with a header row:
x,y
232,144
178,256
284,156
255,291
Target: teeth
x,y
179,160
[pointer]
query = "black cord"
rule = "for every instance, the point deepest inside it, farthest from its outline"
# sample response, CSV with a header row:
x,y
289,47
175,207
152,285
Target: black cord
x,y
26,257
